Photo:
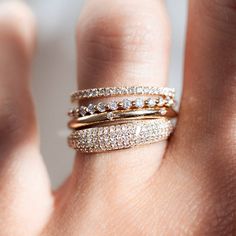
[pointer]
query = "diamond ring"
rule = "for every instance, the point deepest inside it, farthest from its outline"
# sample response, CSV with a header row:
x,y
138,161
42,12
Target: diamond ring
x,y
125,104
120,136
121,91
114,125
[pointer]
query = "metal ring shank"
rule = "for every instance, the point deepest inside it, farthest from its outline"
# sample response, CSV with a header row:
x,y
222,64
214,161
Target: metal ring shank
x,y
107,117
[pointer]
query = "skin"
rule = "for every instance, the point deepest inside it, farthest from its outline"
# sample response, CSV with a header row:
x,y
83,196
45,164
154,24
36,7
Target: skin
x,y
184,187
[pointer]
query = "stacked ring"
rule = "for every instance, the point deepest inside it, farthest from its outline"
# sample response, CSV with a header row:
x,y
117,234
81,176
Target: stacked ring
x,y
120,136
121,124
125,104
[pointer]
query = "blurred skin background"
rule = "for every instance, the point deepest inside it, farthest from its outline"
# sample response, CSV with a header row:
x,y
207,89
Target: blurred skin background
x,y
54,73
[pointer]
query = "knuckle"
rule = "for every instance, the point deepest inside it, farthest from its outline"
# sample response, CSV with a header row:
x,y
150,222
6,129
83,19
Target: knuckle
x,y
15,122
17,27
122,37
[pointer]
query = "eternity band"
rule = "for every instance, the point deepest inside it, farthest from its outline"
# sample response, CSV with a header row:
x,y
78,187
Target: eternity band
x,y
121,91
125,104
107,117
120,136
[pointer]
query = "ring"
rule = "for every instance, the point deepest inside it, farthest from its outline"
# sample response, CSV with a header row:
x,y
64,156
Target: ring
x,y
125,104
121,91
120,136
107,117
114,125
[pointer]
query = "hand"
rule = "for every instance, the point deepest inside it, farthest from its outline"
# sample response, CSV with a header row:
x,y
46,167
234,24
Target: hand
x,y
184,187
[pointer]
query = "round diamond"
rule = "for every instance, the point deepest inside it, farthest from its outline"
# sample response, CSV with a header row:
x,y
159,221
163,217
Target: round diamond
x,y
131,90
101,107
161,101
91,109
169,101
94,93
126,103
107,91
101,92
163,111
113,105
151,102
139,103
124,90
82,111
146,90
139,90
110,115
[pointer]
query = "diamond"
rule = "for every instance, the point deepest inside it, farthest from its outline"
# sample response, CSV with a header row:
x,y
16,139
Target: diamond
x,y
101,107
131,90
169,101
139,90
94,93
82,111
160,101
107,91
152,90
163,111
124,91
113,105
139,103
110,115
112,91
86,93
146,90
126,103
151,102
101,92
91,109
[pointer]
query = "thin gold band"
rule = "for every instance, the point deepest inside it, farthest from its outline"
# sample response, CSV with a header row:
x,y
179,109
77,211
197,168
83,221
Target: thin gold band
x,y
107,117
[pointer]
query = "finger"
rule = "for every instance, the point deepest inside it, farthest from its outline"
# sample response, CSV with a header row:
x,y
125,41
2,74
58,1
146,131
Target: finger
x,y
120,43
23,180
206,128
123,48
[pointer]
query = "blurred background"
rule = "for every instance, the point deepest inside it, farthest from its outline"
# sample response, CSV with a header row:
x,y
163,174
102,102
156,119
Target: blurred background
x,y
54,73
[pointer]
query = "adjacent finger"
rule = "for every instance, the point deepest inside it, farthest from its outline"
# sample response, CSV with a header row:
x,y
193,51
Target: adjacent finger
x,y
206,128
23,180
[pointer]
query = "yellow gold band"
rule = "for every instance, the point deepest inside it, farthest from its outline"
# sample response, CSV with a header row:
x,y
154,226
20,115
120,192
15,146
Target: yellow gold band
x,y
103,118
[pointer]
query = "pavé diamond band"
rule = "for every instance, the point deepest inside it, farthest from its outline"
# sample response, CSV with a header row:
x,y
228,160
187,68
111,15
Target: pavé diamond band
x,y
121,91
120,136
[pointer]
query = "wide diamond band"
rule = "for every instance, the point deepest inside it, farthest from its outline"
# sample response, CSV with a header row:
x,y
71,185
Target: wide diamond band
x,y
120,136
